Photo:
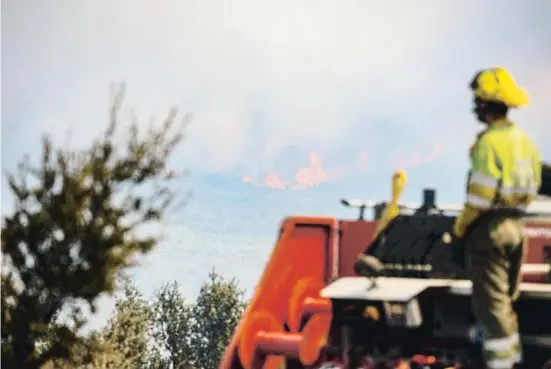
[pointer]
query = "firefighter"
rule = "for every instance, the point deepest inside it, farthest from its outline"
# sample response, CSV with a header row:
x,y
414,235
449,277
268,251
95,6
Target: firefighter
x,y
504,178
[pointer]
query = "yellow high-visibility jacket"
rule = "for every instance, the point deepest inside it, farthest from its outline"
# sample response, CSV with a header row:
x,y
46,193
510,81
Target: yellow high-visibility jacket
x,y
505,173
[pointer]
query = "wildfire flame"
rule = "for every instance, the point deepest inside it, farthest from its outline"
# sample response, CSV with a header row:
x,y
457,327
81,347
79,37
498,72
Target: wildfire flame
x,y
415,160
306,177
314,174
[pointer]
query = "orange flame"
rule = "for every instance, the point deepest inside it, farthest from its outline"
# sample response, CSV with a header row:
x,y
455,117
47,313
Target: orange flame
x,y
273,181
415,160
311,176
314,174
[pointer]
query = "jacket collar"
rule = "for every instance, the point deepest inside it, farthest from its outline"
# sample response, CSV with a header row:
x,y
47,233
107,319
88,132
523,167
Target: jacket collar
x,y
498,124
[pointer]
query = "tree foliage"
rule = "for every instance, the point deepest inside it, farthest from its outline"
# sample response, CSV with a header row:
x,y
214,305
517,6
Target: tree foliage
x,y
124,342
166,332
216,312
125,339
171,327
195,335
75,225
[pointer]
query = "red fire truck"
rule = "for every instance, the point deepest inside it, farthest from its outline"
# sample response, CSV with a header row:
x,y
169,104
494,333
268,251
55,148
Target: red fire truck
x,y
411,309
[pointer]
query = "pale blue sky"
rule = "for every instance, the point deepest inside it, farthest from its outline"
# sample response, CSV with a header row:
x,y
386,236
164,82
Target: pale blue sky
x,y
336,77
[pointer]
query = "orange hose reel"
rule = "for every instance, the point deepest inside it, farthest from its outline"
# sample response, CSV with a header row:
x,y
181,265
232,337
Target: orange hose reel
x,y
305,301
265,345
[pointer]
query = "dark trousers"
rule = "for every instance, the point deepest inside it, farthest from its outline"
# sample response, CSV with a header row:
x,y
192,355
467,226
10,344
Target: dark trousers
x,y
495,248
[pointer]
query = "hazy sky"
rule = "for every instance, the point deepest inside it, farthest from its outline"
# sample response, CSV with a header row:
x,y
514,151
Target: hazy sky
x,y
337,78
261,75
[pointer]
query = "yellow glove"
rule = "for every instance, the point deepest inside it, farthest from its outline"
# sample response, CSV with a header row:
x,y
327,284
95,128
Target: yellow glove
x,y
458,226
464,220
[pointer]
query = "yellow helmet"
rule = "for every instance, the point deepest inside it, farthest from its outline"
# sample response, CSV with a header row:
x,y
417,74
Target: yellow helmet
x,y
498,85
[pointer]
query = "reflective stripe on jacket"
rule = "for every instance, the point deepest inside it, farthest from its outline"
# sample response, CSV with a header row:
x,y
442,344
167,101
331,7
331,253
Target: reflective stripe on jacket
x,y
505,172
